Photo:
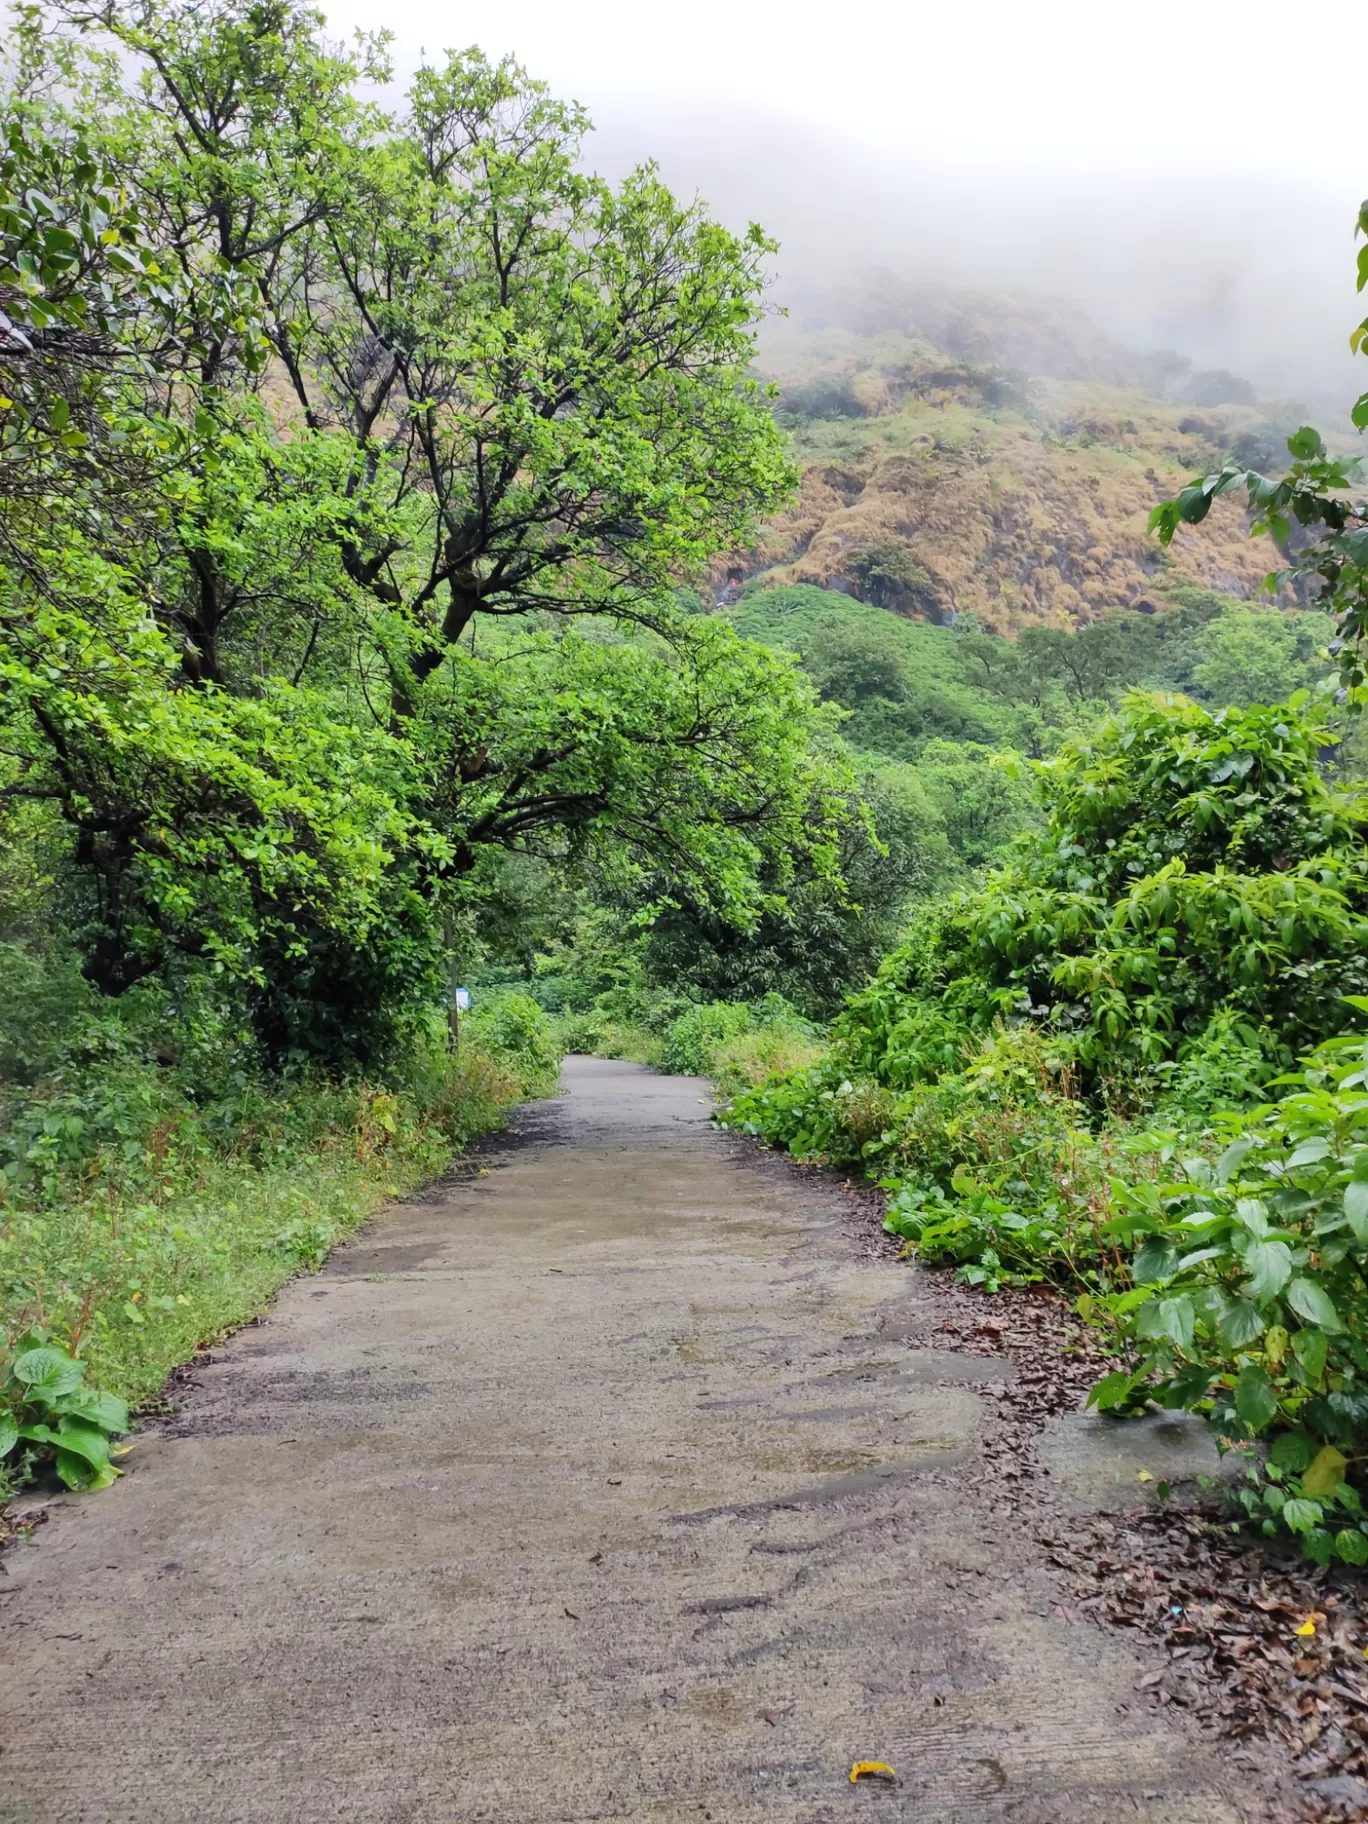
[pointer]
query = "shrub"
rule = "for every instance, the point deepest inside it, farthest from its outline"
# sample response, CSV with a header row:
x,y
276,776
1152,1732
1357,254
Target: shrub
x,y
515,1030
1195,868
736,1043
692,1038
1248,1299
755,1057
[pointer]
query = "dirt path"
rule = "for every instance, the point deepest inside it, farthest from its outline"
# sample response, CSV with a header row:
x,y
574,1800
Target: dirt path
x,y
611,1485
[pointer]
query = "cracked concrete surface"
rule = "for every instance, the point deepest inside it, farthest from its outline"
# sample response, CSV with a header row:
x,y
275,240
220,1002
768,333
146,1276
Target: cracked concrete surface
x,y
609,1485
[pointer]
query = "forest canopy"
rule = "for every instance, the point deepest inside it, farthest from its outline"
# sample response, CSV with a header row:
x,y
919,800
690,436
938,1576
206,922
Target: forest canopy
x,y
353,457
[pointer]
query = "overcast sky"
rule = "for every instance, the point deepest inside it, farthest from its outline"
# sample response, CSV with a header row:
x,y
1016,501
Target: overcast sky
x,y
1189,173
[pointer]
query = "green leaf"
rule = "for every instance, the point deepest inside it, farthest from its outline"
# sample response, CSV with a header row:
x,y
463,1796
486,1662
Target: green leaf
x,y
1192,504
1232,1159
1293,1451
1318,1545
1305,444
1301,1516
1352,1545
1252,1214
1188,1388
51,1368
83,1440
103,1409
1155,1259
1269,1265
1255,1400
1240,1322
1325,1472
1313,1303
1177,1320
1311,1348
38,1434
1310,1152
1356,1209
1111,1391
9,1433
77,1471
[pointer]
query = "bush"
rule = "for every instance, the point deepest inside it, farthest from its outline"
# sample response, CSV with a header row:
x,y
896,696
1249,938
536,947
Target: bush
x,y
693,1037
1247,1298
737,1044
991,1167
1195,868
753,1058
514,1029
825,396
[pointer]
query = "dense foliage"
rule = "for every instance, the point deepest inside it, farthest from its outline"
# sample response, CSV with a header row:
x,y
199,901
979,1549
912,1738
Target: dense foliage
x,y
1248,1298
1023,1074
363,452
1194,868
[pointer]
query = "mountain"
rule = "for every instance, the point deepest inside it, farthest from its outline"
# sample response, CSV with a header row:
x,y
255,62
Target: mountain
x,y
997,457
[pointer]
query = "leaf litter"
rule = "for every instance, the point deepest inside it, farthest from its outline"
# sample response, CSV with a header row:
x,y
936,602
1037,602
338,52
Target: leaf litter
x,y
1266,1652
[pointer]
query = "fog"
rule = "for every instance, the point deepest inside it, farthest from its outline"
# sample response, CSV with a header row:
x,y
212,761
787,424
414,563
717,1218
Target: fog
x,y
1190,181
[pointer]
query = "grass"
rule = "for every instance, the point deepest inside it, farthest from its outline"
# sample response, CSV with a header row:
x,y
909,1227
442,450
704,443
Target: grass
x,y
135,1263
738,1046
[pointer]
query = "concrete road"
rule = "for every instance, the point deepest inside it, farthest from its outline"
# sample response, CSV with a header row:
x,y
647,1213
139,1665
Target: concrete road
x,y
610,1485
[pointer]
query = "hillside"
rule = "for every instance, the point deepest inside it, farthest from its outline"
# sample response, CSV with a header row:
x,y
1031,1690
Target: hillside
x,y
998,457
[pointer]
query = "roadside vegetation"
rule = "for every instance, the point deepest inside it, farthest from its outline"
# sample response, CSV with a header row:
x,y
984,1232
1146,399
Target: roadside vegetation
x,y
1133,1060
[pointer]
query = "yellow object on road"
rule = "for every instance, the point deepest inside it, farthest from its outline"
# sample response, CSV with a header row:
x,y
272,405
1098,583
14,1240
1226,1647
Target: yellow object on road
x,y
872,1770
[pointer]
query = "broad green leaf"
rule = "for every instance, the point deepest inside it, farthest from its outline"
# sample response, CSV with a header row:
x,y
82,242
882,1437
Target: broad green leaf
x,y
9,1433
1293,1450
1252,1213
1301,1516
103,1409
1313,1303
1311,1348
1305,444
1155,1259
1310,1152
1240,1322
1111,1390
1255,1400
77,1471
83,1440
1325,1472
1317,1544
38,1434
1356,1209
1177,1320
1269,1265
1352,1545
1232,1159
51,1368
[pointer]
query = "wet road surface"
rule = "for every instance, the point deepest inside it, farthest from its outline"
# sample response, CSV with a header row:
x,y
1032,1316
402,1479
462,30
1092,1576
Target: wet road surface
x,y
612,1484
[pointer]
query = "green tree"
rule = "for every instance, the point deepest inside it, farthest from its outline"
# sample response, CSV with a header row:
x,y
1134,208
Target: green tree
x,y
374,406
820,935
1256,656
